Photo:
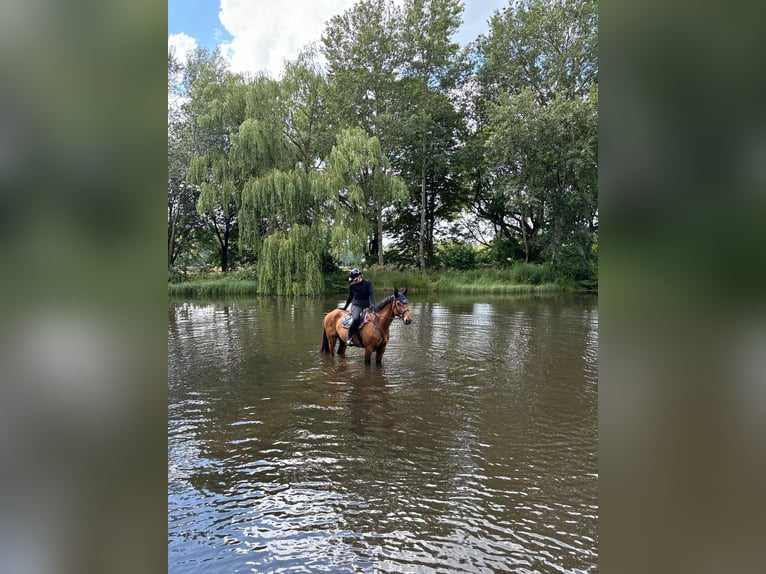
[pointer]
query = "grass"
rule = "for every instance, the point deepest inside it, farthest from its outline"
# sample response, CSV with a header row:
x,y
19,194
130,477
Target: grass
x,y
213,287
524,279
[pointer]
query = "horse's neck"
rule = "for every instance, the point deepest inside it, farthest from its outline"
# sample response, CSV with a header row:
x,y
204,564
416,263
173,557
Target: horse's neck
x,y
386,316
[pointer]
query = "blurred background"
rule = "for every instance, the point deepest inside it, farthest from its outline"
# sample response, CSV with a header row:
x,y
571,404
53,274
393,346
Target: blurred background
x,y
82,337
83,403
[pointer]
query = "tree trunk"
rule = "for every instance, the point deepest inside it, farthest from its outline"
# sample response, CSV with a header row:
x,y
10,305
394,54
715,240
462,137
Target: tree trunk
x,y
524,238
224,256
173,217
423,206
379,215
171,244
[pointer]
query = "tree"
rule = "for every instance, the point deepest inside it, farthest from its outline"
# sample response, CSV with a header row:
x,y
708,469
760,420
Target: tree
x,y
363,58
431,67
360,171
286,199
217,108
538,116
183,220
445,193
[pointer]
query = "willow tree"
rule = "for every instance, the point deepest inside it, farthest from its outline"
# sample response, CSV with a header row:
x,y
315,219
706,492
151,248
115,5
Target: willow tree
x,y
284,217
363,53
360,171
217,108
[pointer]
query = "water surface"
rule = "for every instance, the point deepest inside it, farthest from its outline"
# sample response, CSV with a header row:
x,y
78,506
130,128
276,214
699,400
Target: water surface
x,y
472,448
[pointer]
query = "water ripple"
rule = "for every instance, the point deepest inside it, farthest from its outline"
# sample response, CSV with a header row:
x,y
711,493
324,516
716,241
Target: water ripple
x,y
473,449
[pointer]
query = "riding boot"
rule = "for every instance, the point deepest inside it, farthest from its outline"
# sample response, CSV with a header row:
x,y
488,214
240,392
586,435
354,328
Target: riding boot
x,y
350,341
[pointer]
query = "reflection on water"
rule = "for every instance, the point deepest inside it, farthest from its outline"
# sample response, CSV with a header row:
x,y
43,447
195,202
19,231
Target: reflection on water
x,y
471,449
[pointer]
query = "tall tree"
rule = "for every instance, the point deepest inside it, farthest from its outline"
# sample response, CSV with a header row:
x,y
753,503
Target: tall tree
x,y
360,171
183,220
217,107
445,194
363,55
539,98
285,202
430,68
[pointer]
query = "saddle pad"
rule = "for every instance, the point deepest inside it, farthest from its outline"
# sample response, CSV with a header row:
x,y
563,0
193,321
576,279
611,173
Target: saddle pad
x,y
346,322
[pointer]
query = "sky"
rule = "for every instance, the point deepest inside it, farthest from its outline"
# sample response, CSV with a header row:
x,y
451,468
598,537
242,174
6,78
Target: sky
x,y
260,35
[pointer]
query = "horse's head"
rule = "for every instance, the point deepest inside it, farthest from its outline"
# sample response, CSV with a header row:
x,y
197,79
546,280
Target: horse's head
x,y
399,305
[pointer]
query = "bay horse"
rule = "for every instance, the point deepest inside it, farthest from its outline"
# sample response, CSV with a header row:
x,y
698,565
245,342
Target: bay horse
x,y
372,333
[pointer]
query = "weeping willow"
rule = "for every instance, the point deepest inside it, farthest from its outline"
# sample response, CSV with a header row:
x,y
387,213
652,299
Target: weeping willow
x,y
358,167
284,220
290,263
301,200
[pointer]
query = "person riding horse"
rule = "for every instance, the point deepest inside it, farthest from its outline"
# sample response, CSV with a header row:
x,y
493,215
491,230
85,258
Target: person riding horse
x,y
361,296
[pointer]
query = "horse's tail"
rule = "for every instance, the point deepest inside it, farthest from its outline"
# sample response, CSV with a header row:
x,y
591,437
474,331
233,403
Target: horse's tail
x,y
325,342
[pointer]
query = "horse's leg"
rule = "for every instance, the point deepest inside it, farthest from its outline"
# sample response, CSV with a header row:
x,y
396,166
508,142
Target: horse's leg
x,y
326,342
341,340
379,353
332,339
368,355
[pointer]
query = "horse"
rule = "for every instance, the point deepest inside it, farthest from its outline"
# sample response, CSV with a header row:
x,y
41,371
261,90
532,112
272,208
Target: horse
x,y
372,333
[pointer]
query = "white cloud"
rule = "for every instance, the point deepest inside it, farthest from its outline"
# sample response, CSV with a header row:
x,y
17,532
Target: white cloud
x,y
181,44
266,34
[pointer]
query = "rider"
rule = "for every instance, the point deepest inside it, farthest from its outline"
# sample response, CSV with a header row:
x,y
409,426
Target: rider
x,y
361,296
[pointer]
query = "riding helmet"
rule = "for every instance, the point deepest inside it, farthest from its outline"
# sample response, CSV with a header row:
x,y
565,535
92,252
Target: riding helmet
x,y
353,274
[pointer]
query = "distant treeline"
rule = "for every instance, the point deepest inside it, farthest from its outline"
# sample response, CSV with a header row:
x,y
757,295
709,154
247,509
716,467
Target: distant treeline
x,y
400,148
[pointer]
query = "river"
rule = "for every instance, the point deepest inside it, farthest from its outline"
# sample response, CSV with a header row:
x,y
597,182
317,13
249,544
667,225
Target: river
x,y
472,448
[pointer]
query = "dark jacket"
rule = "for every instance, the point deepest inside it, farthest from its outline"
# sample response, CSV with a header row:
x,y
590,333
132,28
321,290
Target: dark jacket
x,y
360,294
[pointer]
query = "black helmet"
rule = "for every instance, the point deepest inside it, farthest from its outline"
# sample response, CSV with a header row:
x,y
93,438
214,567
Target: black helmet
x,y
353,274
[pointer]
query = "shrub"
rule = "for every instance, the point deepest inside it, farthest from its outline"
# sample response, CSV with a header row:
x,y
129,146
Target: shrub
x,y
530,273
456,255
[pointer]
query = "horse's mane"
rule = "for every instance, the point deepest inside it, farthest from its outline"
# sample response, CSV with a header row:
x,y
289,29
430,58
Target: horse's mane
x,y
383,303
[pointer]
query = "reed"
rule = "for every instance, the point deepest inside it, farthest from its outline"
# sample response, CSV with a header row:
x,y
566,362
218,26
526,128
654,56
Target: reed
x,y
218,287
493,286
387,277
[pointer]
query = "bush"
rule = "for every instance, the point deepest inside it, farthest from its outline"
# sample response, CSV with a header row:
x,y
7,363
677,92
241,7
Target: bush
x,y
530,273
176,275
456,255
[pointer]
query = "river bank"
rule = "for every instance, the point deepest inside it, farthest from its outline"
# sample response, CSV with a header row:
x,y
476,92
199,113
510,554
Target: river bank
x,y
484,281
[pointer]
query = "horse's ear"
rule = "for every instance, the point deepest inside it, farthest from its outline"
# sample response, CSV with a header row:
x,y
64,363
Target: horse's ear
x,y
396,292
405,291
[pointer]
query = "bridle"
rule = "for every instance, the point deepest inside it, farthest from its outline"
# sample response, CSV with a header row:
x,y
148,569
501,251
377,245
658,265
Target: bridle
x,y
400,314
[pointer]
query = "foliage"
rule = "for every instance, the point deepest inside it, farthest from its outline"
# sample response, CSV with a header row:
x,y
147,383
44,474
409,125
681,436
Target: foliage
x,y
360,172
476,160
364,55
457,255
287,200
431,67
183,220
386,277
539,112
216,109
214,287
363,52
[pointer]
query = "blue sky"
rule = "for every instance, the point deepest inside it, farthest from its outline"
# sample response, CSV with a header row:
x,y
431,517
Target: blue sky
x,y
198,19
259,35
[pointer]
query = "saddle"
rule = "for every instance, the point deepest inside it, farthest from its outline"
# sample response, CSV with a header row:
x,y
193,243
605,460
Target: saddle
x,y
363,318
